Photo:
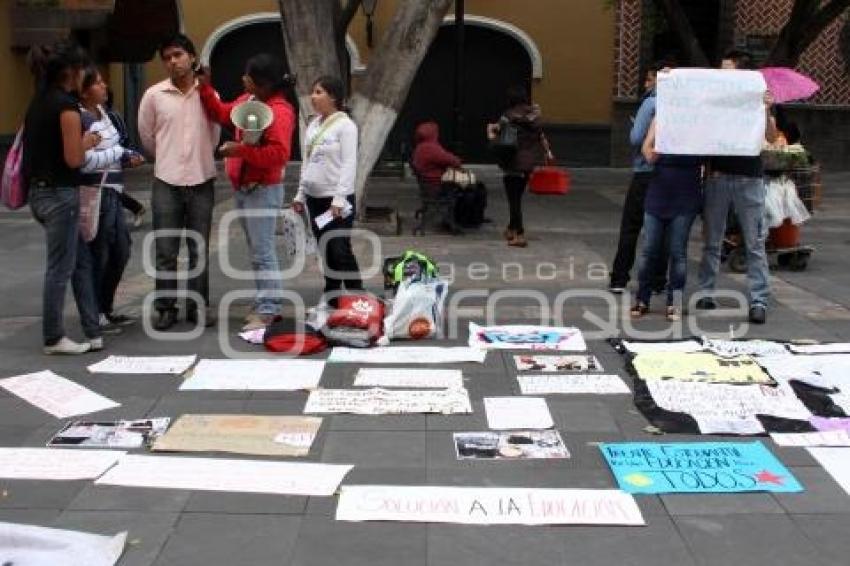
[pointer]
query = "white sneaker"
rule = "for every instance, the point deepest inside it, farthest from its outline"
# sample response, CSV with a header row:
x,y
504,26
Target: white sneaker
x,y
96,344
68,347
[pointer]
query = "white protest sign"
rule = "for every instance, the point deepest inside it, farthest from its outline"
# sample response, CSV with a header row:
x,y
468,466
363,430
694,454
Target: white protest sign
x,y
836,461
28,545
525,337
407,355
143,364
383,402
832,348
581,362
515,413
214,474
682,346
255,375
733,348
727,408
842,400
487,505
412,378
824,438
710,112
576,384
56,395
55,463
827,371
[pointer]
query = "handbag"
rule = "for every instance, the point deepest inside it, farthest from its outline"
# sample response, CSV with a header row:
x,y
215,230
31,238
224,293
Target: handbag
x,y
549,180
14,191
90,209
461,177
296,236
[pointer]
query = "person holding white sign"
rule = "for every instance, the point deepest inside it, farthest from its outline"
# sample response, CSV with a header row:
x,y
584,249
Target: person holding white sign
x,y
673,200
738,182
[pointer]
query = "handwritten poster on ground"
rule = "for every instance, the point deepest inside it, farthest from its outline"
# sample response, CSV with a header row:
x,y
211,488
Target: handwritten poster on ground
x,y
698,366
682,346
557,363
143,365
28,545
836,461
720,408
757,348
825,438
513,445
254,375
55,463
241,434
56,395
697,467
521,337
215,474
383,402
827,371
587,383
109,434
409,378
407,355
831,348
487,505
517,413
710,112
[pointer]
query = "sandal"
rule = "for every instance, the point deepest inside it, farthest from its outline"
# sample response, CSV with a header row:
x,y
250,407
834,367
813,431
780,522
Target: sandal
x,y
639,310
673,314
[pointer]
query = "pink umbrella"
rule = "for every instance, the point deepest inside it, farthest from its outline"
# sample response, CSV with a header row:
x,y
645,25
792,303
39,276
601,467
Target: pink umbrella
x,y
787,84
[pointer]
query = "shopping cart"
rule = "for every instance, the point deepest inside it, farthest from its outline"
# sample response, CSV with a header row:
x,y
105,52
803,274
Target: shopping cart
x,y
783,246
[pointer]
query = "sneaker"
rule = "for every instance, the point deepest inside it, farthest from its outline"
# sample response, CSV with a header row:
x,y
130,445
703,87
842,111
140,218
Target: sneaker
x,y
107,326
96,344
139,217
706,304
256,321
674,314
120,319
68,347
758,314
639,310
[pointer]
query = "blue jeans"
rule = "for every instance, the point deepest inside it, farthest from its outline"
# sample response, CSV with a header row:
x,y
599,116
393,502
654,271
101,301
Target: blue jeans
x,y
58,210
678,230
110,249
260,234
746,196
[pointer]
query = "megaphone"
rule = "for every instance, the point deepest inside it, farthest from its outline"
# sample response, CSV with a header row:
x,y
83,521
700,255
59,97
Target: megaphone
x,y
252,117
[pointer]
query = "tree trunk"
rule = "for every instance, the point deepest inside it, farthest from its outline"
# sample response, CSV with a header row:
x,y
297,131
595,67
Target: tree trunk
x,y
677,19
807,21
308,30
392,68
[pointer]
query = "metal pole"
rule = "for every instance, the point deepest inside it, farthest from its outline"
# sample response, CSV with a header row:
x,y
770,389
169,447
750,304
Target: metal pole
x,y
459,77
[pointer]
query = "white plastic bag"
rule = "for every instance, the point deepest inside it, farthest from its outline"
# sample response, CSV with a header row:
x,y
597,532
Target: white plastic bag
x,y
417,311
296,235
795,209
782,201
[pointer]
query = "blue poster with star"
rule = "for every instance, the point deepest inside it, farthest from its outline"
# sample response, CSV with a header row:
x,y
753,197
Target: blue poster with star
x,y
697,467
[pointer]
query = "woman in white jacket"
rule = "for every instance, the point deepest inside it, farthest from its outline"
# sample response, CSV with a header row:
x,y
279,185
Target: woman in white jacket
x,y
326,187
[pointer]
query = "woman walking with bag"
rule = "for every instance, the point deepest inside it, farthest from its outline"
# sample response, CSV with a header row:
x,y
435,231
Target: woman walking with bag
x,y
523,136
326,187
53,150
256,171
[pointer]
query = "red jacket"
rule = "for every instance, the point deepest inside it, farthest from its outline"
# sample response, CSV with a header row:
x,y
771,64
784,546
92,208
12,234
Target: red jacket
x,y
430,159
262,163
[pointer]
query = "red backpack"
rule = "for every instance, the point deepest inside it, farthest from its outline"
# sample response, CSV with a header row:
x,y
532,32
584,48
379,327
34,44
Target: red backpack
x,y
13,189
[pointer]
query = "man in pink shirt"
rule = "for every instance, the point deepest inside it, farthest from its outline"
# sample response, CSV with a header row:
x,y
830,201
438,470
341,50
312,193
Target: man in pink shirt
x,y
175,130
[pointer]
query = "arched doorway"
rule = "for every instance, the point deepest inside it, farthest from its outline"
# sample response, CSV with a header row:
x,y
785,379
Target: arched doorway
x,y
494,60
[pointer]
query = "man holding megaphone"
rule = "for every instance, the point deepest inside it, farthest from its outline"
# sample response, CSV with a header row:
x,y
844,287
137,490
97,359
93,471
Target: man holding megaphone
x,y
264,122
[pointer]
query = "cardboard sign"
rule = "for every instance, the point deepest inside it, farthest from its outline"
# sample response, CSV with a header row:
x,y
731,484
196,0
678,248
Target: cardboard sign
x,y
710,112
487,505
697,467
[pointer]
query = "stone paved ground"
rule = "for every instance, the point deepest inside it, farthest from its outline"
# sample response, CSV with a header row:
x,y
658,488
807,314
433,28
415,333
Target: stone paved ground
x,y
572,237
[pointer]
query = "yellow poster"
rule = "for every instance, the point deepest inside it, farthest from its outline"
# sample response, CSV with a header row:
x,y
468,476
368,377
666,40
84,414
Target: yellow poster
x,y
699,366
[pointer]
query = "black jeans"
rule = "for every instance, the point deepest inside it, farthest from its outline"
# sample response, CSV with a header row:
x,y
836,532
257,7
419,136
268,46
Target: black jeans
x,y
631,224
57,209
130,203
338,255
110,249
177,208
514,188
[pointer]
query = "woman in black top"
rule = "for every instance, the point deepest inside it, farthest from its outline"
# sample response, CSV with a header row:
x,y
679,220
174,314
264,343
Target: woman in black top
x,y
53,150
518,164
